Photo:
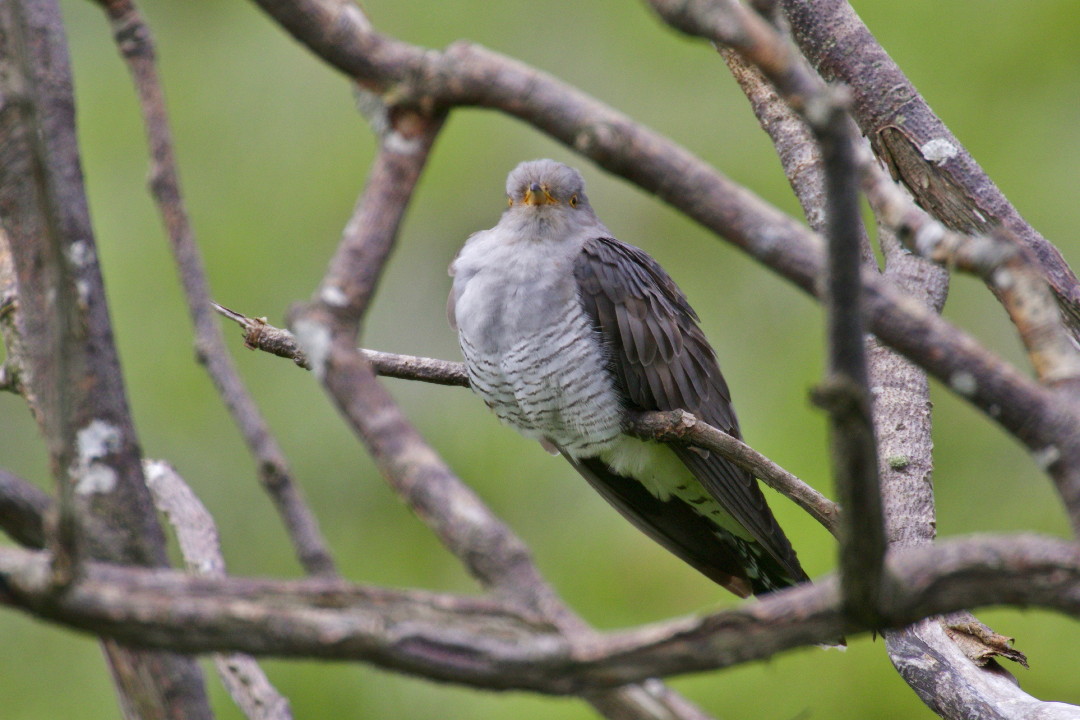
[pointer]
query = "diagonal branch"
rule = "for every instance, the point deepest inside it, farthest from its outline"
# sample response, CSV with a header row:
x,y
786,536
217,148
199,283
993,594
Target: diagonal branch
x,y
136,45
1003,264
328,327
677,427
918,148
197,536
682,428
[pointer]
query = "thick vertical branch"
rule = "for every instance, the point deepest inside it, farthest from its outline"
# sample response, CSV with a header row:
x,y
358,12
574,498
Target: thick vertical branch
x,y
925,656
105,509
136,45
845,392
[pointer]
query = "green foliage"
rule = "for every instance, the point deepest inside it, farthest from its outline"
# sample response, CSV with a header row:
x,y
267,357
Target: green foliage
x,y
272,156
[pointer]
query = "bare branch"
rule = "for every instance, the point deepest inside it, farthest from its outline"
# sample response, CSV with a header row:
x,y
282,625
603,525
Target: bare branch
x,y
918,148
482,643
1003,264
67,336
798,153
197,536
844,393
952,686
683,428
327,328
22,510
959,688
670,427
406,138
261,335
135,42
409,367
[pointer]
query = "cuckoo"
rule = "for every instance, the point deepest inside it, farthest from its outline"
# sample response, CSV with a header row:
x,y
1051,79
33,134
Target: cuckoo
x,y
566,331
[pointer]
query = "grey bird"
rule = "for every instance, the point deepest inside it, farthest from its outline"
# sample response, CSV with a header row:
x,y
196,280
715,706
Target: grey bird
x,y
565,330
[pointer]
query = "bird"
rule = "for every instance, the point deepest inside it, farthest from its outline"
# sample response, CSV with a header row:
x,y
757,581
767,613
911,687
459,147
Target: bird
x,y
566,332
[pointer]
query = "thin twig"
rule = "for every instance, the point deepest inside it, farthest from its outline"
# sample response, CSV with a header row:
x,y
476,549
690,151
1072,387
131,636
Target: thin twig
x,y
683,428
134,40
674,427
261,335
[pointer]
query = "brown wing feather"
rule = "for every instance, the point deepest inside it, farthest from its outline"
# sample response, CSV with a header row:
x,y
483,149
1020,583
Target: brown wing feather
x,y
662,361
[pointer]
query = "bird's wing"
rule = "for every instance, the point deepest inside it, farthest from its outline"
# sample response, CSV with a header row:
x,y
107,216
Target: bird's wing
x,y
674,525
662,361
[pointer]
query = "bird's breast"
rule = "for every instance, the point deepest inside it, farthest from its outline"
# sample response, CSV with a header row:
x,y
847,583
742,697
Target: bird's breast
x,y
536,360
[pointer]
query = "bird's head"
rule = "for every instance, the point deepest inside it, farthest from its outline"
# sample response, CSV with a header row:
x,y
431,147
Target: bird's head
x,y
545,187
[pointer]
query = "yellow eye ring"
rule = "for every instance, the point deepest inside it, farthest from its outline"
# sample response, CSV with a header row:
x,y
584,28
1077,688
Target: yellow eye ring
x,y
573,201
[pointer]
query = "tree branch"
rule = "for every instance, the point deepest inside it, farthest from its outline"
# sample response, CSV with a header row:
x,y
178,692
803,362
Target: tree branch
x,y
682,428
135,42
670,427
952,686
844,394
67,338
197,535
1003,264
22,510
327,328
484,643
918,148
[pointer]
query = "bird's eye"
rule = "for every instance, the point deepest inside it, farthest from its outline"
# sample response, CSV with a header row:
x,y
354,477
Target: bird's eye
x,y
573,200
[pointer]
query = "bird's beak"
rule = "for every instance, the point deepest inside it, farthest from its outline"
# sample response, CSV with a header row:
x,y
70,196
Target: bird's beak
x,y
538,195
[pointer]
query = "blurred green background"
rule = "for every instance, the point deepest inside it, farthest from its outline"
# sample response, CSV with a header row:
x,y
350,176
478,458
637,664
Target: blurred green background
x,y
272,155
